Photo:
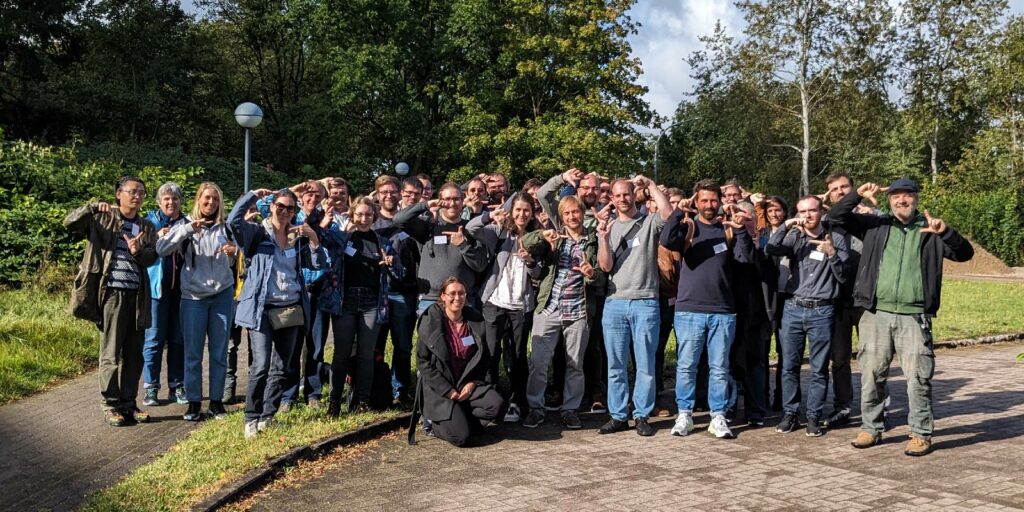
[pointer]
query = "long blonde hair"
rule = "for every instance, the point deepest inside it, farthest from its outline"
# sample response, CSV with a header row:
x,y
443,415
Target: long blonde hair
x,y
197,212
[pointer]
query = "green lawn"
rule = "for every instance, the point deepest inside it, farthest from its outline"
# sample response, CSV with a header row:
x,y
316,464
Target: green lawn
x,y
978,308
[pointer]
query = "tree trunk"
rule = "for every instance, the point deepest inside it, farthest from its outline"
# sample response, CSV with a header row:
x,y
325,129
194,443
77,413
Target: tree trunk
x,y
934,144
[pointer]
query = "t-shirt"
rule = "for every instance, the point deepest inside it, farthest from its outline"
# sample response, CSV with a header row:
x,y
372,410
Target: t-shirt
x,y
124,272
634,273
362,261
705,273
459,352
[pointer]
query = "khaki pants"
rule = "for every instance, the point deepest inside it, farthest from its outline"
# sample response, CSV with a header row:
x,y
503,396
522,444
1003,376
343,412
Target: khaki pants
x,y
120,350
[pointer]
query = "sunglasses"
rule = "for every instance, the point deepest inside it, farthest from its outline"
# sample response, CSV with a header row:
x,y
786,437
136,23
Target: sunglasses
x,y
286,207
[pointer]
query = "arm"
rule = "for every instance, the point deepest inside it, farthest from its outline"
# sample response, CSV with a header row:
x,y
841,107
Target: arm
x,y
838,263
409,220
674,234
475,255
843,214
547,195
81,219
480,228
605,256
245,232
781,242
535,244
433,378
664,207
956,247
743,251
174,239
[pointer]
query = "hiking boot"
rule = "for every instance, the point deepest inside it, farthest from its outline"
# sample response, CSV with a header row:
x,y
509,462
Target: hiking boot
x,y
314,403
866,440
512,415
266,424
216,410
814,428
613,426
837,419
918,447
150,400
643,428
571,420
661,412
135,415
534,419
720,428
194,412
333,409
177,395
114,417
788,424
251,429
684,424
598,408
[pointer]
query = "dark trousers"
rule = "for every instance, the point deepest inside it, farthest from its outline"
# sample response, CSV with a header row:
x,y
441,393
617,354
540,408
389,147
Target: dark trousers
x,y
306,367
595,361
668,315
846,319
506,333
355,327
470,416
779,351
749,366
400,326
269,350
231,377
121,344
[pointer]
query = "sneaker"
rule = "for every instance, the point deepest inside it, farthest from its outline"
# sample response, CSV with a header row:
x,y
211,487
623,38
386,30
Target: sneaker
x,y
150,399
333,409
837,419
571,420
314,403
428,428
720,428
598,408
266,424
643,428
114,417
918,447
194,412
534,419
613,426
216,410
866,440
788,424
512,414
814,428
684,424
135,415
755,422
178,395
251,429
661,412
285,407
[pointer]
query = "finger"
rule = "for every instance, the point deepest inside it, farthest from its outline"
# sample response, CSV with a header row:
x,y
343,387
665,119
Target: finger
x,y
816,242
928,215
883,189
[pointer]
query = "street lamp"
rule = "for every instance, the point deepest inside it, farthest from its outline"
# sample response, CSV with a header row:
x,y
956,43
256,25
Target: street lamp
x,y
401,168
657,143
248,115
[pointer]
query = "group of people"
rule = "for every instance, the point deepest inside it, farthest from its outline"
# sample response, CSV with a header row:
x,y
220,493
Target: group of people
x,y
591,274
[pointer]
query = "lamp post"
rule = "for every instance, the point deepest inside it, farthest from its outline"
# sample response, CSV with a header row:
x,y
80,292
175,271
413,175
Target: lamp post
x,y
249,115
657,143
401,168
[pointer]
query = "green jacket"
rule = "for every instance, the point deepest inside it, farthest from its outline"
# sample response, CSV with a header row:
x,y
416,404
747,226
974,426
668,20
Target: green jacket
x,y
541,250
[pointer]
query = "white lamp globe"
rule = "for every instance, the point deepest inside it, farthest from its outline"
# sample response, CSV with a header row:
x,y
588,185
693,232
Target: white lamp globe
x,y
248,115
402,168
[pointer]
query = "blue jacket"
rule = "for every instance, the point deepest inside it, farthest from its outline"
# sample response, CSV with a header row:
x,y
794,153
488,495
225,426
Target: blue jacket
x,y
156,270
332,292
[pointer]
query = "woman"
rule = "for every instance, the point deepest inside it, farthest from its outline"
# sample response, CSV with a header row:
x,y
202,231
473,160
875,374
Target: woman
x,y
273,304
207,298
564,307
355,294
775,211
452,364
508,296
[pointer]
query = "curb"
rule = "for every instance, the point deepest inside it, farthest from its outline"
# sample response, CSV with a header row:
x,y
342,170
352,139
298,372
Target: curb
x,y
983,340
260,476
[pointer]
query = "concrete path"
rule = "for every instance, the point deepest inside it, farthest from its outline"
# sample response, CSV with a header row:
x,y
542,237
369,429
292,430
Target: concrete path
x,y
978,464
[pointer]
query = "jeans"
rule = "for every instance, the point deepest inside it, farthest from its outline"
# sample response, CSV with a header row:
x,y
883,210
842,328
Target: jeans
x,y
401,324
630,323
547,330
694,331
164,331
355,327
506,332
206,320
270,351
882,335
814,325
307,365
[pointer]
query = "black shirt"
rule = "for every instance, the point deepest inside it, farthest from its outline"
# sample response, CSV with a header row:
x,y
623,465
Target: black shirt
x,y
362,261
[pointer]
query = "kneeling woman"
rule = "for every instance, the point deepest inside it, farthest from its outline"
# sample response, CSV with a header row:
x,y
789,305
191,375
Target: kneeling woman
x,y
452,364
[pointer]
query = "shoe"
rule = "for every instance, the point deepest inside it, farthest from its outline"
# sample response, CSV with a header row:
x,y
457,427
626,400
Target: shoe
x,y
216,410
720,428
643,428
136,415
661,412
837,419
178,395
333,409
285,407
314,403
194,412
114,417
251,429
755,422
598,408
428,428
512,414
866,440
266,424
571,420
788,424
613,426
150,400
814,428
533,420
684,424
918,447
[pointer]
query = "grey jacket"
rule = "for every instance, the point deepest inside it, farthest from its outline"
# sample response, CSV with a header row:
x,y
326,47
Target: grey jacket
x,y
500,243
207,270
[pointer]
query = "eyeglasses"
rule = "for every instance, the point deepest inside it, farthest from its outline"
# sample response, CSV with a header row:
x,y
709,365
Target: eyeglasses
x,y
290,208
134,192
456,198
455,294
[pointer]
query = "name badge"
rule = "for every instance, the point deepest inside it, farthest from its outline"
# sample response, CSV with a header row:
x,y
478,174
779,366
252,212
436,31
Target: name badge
x,y
817,255
402,235
441,240
468,341
135,230
720,248
634,242
349,250
289,253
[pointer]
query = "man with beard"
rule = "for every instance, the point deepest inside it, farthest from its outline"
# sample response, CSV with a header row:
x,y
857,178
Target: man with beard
x,y
497,188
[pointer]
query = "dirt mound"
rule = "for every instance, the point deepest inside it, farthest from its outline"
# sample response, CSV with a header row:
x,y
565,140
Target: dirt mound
x,y
983,263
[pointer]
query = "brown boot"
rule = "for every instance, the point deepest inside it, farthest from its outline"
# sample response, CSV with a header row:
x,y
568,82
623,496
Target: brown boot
x,y
866,440
918,447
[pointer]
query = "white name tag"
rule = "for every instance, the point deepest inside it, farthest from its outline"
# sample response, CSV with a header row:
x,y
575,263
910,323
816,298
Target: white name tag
x,y
135,230
817,255
290,253
441,240
634,242
720,248
402,235
350,251
468,341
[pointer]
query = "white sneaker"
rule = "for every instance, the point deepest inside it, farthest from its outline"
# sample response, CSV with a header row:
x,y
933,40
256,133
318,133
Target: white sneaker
x,y
251,429
266,424
512,415
684,424
720,428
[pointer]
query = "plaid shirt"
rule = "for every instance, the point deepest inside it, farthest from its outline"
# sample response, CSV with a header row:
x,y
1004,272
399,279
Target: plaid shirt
x,y
567,291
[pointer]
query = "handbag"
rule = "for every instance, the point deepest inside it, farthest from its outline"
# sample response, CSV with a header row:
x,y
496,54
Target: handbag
x,y
287,316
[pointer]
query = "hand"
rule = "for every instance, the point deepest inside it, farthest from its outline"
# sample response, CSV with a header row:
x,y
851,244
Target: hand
x,y
262,192
102,207
525,255
795,221
134,242
864,210
642,182
300,189
456,237
822,197
162,232
229,249
551,236
302,230
825,245
467,390
251,215
604,227
573,176
452,395
498,216
936,226
584,268
757,198
604,213
386,260
327,219
197,225
868,191
738,220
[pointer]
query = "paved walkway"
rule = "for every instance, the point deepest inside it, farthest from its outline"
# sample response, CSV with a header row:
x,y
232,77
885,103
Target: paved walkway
x,y
978,465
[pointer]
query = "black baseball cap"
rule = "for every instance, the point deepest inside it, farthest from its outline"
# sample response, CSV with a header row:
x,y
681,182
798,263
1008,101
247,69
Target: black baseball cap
x,y
904,184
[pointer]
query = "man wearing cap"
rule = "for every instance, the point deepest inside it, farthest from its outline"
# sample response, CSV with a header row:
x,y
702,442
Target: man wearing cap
x,y
898,285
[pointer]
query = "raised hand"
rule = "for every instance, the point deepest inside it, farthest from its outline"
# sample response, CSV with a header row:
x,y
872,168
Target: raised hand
x,y
642,182
573,175
757,198
825,245
604,213
386,260
134,242
551,236
603,228
584,268
498,216
102,207
162,232
262,192
738,219
868,191
936,226
457,237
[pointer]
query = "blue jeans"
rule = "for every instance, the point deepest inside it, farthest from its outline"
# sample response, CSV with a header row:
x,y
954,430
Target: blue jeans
x,y
401,323
165,330
814,325
630,323
694,331
206,320
270,351
308,357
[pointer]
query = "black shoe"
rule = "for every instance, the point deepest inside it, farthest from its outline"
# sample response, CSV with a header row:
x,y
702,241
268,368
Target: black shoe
x,y
194,412
571,420
813,428
217,410
613,426
788,424
643,428
333,409
837,419
755,422
534,419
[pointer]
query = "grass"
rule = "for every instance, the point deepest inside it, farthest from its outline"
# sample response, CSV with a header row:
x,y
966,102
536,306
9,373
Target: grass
x,y
978,308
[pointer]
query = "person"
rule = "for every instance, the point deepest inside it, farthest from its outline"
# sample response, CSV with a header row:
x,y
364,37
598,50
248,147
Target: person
x,y
776,276
476,198
508,295
604,193
497,188
705,301
412,192
817,257
627,253
532,187
452,362
165,293
566,305
898,286
732,193
355,294
273,305
112,290
428,188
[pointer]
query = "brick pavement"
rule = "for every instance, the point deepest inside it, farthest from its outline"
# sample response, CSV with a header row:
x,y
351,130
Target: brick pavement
x,y
978,465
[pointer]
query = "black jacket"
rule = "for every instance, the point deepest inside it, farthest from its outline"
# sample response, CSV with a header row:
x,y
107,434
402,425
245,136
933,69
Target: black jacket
x,y
435,374
874,231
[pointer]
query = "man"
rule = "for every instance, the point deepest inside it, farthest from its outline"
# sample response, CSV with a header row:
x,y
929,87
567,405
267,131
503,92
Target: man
x,y
898,286
705,304
112,290
816,260
604,192
476,198
627,252
731,193
428,188
497,188
412,192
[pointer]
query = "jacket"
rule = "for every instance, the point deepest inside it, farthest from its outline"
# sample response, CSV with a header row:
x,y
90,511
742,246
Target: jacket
x,y
156,270
873,230
432,362
207,271
101,231
332,291
499,242
540,249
